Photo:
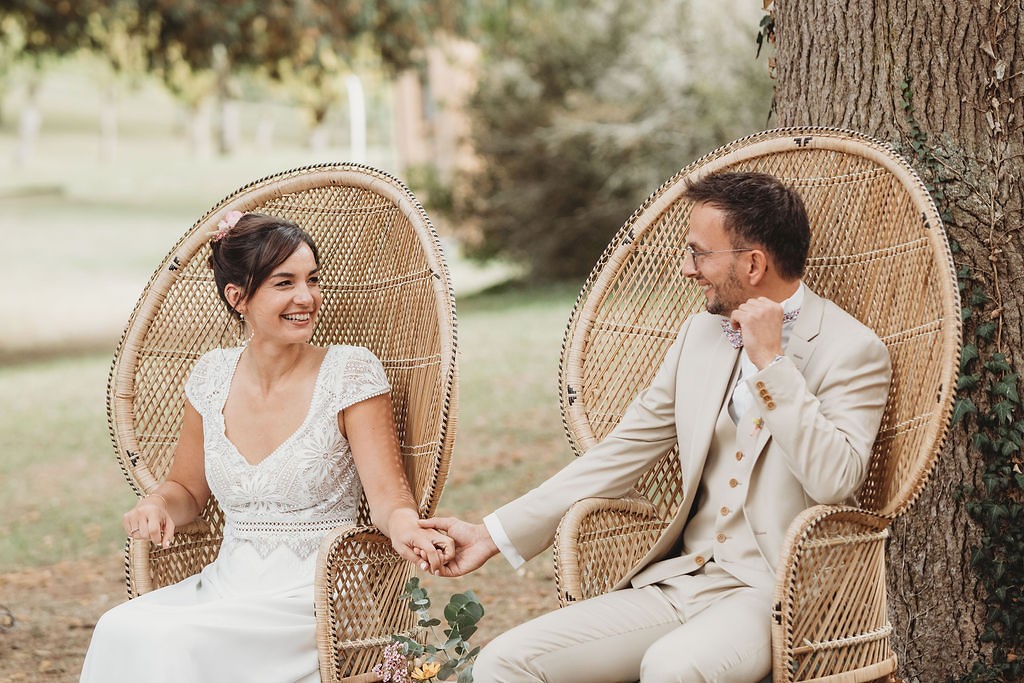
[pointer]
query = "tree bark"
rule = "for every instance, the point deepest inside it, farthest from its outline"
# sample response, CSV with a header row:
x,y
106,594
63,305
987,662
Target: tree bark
x,y
961,66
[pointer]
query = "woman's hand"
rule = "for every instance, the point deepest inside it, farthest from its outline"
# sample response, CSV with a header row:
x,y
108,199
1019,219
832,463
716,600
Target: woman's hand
x,y
150,519
429,549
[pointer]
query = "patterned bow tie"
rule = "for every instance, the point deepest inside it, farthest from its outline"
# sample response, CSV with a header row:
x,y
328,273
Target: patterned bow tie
x,y
735,337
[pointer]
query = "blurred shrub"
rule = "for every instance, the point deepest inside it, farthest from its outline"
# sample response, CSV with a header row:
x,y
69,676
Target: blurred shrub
x,y
584,108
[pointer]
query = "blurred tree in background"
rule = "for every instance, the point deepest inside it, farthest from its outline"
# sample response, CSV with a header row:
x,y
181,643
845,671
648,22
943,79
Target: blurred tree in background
x,y
198,48
581,109
584,108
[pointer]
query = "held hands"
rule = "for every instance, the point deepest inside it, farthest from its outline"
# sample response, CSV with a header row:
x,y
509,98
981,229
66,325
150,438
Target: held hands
x,y
428,549
473,544
760,320
150,520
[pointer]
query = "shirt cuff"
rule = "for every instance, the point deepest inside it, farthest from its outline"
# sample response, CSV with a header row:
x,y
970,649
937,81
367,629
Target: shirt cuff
x,y
501,539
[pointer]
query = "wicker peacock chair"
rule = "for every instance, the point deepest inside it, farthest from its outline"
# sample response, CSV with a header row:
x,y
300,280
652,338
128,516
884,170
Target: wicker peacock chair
x,y
386,287
878,249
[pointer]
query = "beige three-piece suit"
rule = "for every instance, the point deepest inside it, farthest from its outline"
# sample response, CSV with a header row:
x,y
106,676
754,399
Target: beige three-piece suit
x,y
703,591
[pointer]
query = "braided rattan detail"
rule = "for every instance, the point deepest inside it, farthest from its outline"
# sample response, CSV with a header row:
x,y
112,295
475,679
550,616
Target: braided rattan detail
x,y
879,251
357,584
830,615
600,540
385,286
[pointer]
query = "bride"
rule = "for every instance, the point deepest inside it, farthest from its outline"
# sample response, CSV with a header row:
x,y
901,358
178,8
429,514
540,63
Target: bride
x,y
287,436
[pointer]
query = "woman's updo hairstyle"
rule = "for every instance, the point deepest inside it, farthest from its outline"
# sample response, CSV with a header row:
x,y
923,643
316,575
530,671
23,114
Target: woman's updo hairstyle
x,y
246,253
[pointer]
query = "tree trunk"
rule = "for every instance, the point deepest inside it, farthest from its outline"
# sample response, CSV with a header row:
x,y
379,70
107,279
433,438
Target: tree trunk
x,y
356,118
944,82
199,129
29,122
109,123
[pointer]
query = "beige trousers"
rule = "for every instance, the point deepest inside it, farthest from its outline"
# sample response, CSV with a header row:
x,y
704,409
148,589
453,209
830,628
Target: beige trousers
x,y
637,634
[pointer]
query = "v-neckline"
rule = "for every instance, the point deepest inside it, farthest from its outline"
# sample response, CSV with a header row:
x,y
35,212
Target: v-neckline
x,y
298,430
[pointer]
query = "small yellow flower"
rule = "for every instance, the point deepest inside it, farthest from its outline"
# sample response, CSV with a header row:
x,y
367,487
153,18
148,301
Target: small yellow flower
x,y
426,672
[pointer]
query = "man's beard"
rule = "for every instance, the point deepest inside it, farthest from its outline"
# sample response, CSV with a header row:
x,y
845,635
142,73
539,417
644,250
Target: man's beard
x,y
726,297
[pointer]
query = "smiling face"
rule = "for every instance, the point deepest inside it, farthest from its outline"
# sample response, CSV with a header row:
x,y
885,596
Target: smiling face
x,y
284,307
720,274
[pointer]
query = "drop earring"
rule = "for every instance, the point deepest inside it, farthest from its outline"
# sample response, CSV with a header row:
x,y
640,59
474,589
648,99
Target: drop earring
x,y
241,329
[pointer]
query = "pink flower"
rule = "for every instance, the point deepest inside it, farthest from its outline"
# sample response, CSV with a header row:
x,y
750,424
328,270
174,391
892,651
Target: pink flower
x,y
229,221
395,667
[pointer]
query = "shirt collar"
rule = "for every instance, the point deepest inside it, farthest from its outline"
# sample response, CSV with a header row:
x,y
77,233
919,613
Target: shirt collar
x,y
794,302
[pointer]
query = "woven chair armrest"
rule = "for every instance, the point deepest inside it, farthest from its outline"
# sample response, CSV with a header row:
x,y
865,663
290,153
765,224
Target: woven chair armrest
x,y
359,579
148,566
830,620
598,541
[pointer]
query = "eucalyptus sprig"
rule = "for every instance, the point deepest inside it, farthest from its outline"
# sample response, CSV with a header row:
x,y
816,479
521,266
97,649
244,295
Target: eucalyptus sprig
x,y
437,658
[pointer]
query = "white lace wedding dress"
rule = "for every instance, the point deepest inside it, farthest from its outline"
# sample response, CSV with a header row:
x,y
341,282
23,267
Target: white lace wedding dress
x,y
248,616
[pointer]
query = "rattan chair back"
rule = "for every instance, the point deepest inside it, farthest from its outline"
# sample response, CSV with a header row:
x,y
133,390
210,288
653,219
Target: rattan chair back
x,y
878,250
385,286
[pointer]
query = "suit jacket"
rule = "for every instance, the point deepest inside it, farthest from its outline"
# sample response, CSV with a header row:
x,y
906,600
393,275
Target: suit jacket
x,y
822,405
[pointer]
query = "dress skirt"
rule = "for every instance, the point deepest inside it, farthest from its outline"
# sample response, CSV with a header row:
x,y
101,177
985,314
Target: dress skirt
x,y
243,618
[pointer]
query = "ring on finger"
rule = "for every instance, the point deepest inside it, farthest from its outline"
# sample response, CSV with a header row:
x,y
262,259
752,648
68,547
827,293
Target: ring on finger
x,y
134,531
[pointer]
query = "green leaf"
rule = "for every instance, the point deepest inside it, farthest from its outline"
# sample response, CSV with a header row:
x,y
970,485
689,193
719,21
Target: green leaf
x,y
1007,388
968,355
967,382
978,297
998,363
962,408
430,622
986,330
447,669
980,441
1003,412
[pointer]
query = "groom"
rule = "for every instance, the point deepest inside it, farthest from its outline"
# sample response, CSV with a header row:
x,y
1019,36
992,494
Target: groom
x,y
774,397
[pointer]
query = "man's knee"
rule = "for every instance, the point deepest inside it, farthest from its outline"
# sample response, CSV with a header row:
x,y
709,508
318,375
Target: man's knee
x,y
666,662
501,661
662,663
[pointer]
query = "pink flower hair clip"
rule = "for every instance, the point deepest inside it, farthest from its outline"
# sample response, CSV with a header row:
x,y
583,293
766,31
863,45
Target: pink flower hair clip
x,y
229,221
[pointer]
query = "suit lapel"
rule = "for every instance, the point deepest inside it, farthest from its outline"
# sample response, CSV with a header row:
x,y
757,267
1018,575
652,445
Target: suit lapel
x,y
805,329
710,392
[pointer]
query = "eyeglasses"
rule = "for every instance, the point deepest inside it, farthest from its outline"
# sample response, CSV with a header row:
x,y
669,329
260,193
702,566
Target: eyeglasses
x,y
688,250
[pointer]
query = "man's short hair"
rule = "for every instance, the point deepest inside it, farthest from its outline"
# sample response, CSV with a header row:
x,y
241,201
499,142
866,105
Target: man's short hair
x,y
759,210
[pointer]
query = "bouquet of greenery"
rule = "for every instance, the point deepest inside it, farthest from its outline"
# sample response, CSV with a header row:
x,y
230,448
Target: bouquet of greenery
x,y
407,660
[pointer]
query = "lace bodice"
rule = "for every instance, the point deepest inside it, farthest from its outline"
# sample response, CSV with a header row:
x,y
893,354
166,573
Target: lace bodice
x,y
308,485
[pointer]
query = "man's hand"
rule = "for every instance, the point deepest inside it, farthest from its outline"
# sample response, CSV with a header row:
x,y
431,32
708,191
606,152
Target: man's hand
x,y
473,544
426,548
760,320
